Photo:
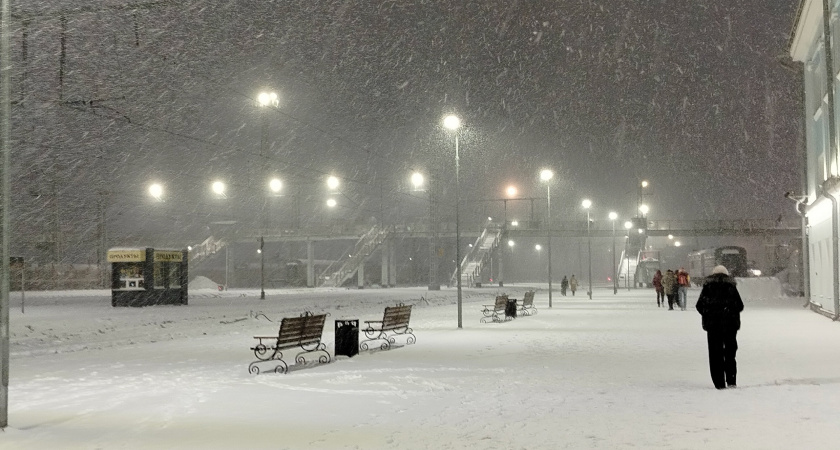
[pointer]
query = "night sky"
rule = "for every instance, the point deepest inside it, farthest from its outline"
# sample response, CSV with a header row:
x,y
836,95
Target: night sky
x,y
688,95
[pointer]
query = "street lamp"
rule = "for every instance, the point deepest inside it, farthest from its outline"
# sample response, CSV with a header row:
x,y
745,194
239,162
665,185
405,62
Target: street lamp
x,y
586,205
546,175
417,180
628,225
613,215
452,122
219,188
264,100
156,191
511,193
644,209
332,183
275,185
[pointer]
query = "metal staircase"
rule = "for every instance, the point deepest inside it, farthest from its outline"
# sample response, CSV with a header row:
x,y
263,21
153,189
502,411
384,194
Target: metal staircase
x,y
349,264
206,249
478,257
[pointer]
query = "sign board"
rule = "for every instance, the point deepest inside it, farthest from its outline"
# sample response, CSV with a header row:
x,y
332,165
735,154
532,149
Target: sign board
x,y
168,255
137,255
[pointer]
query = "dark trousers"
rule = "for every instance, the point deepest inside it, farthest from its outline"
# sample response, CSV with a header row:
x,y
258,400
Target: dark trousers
x,y
672,298
722,348
660,297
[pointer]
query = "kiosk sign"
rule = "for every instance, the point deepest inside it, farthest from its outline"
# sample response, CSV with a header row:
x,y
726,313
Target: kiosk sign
x,y
134,255
169,255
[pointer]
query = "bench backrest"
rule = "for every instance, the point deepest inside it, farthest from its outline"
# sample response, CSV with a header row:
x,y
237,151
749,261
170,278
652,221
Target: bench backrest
x,y
301,330
396,317
501,302
529,299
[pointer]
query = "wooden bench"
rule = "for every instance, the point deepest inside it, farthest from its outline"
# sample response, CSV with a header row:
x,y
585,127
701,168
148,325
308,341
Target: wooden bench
x,y
496,311
526,308
302,333
394,324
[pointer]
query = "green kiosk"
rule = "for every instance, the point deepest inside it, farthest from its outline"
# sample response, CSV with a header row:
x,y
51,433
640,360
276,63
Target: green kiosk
x,y
148,276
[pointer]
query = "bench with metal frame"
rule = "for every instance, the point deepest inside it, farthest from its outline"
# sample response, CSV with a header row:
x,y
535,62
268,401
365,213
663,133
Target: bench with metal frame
x,y
394,324
496,312
302,333
527,308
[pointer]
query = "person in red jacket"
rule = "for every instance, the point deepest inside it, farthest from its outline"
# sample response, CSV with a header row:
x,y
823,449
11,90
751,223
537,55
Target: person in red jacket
x,y
657,285
720,305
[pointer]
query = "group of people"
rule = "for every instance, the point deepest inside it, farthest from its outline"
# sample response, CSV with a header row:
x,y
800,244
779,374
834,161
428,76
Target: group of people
x,y
568,283
720,306
673,286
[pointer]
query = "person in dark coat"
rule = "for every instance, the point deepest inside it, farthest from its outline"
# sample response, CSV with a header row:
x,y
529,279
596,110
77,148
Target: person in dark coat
x,y
669,286
720,305
657,285
564,285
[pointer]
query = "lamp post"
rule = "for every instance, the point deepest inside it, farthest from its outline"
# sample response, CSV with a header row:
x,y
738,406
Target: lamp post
x,y
452,122
417,180
642,186
628,225
546,175
586,205
613,215
264,99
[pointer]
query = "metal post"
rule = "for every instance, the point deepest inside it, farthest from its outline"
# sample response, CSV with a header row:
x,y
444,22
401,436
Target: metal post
x,y
433,284
589,245
5,191
615,274
458,226
262,268
548,230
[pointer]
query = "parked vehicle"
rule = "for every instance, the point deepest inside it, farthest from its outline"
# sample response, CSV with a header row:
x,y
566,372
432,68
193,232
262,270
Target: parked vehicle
x,y
701,263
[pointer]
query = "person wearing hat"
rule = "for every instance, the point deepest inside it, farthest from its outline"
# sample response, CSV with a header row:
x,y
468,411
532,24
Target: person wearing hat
x,y
720,305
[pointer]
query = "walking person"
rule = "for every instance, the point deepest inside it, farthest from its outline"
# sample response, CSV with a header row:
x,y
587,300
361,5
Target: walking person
x,y
573,284
683,283
669,287
720,305
564,285
657,285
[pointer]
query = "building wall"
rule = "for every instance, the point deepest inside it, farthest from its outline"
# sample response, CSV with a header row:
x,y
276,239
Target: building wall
x,y
808,48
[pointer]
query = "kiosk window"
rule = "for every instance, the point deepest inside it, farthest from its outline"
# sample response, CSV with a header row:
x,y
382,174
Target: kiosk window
x,y
160,272
174,275
131,276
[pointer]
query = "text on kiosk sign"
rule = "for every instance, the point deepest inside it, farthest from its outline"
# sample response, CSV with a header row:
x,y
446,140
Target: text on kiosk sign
x,y
140,255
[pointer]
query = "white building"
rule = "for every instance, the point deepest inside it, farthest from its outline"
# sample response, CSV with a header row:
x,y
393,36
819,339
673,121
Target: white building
x,y
820,194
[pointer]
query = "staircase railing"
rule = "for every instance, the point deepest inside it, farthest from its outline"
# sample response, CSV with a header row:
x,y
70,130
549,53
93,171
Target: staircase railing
x,y
209,247
474,261
349,264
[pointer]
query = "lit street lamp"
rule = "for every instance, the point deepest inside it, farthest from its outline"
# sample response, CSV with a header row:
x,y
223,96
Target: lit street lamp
x,y
264,99
417,181
546,175
156,191
628,225
586,205
452,122
614,216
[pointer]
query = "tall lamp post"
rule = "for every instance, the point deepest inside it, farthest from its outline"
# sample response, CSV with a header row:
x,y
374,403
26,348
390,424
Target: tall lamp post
x,y
586,205
614,216
546,175
417,180
264,99
628,225
452,122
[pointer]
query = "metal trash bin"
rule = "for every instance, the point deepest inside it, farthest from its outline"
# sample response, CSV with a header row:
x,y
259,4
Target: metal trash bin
x,y
347,337
510,308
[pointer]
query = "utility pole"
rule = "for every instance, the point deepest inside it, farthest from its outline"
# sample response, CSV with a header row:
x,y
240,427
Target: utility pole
x,y
5,191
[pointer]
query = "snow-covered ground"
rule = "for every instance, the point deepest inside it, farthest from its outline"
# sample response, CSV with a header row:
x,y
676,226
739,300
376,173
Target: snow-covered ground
x,y
611,372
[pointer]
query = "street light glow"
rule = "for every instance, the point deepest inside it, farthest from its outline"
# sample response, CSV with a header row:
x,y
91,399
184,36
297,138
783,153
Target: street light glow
x,y
546,175
267,99
644,183
156,191
511,191
613,215
586,203
218,188
538,247
275,185
331,203
514,223
452,122
628,224
417,179
511,243
332,183
644,209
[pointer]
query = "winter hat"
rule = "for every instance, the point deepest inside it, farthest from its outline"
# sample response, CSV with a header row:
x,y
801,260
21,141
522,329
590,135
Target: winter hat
x,y
720,269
